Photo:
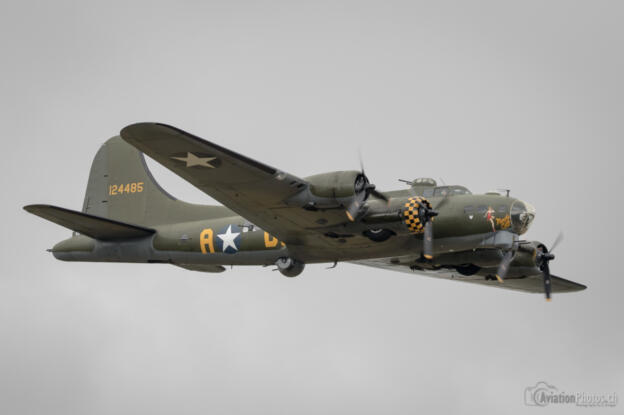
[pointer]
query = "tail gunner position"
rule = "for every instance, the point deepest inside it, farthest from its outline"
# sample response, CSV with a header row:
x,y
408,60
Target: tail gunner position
x,y
271,217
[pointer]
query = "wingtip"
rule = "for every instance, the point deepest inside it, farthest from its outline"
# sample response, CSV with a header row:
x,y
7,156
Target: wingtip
x,y
34,207
148,124
578,287
127,130
148,130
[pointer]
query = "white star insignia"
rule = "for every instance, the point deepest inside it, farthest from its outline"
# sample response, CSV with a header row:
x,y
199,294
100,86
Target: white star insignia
x,y
192,160
228,238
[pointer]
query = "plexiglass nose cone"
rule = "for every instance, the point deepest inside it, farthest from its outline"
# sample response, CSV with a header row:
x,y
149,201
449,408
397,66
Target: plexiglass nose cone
x,y
522,214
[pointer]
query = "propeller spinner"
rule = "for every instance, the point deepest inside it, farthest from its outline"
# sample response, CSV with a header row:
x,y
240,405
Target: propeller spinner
x,y
418,215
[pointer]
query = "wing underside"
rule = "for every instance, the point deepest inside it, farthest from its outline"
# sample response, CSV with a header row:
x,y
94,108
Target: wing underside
x,y
529,284
254,190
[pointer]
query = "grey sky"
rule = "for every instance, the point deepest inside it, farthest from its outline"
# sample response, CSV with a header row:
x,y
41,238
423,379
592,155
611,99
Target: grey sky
x,y
526,95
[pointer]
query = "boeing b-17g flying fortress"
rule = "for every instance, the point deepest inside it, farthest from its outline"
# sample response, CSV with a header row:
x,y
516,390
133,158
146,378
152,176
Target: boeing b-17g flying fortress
x,y
271,217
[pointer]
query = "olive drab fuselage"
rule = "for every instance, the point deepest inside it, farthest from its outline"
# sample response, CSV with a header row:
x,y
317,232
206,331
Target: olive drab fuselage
x,y
208,241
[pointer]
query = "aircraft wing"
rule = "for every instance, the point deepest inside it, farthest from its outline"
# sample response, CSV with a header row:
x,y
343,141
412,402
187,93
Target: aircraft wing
x,y
530,284
252,189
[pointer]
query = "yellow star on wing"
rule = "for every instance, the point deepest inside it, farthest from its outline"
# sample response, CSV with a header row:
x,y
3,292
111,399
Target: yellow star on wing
x,y
192,160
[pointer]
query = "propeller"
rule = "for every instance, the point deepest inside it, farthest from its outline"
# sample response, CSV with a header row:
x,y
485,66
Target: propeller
x,y
544,256
363,189
370,187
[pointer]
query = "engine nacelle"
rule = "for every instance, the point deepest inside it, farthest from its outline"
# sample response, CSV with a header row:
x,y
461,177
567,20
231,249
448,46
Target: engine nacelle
x,y
527,254
332,190
289,267
335,185
525,260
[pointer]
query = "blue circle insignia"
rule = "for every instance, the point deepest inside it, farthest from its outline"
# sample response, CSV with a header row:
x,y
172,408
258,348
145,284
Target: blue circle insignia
x,y
228,240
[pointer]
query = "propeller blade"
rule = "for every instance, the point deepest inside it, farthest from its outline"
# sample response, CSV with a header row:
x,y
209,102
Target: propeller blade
x,y
353,210
357,208
428,240
503,267
557,241
544,258
547,281
361,159
379,195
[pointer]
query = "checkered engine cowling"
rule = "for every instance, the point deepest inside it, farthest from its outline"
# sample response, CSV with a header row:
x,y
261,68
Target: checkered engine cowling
x,y
413,214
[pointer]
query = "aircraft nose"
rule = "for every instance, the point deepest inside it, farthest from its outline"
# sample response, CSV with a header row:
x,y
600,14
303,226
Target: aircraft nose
x,y
522,215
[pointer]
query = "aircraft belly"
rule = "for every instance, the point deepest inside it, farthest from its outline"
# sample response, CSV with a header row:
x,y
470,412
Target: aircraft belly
x,y
142,251
239,258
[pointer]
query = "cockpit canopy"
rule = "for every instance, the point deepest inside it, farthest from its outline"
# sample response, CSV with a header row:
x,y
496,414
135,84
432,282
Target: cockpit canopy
x,y
428,187
446,190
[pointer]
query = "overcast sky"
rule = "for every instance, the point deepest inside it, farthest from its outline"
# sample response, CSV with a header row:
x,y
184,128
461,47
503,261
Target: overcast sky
x,y
521,95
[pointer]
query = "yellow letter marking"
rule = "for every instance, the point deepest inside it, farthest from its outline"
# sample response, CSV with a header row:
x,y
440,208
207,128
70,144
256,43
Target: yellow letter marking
x,y
205,238
270,241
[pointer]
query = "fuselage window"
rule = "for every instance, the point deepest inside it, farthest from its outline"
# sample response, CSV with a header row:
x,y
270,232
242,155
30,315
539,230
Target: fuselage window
x,y
468,209
502,209
482,209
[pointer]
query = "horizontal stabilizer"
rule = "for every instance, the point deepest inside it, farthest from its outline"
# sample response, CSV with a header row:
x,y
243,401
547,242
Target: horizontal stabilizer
x,y
89,225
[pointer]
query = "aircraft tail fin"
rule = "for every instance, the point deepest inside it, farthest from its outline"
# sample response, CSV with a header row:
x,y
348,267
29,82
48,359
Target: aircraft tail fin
x,y
122,188
93,226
